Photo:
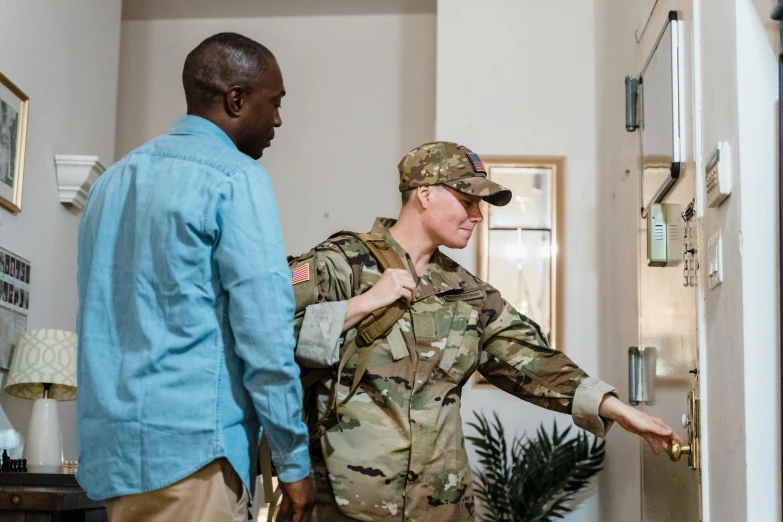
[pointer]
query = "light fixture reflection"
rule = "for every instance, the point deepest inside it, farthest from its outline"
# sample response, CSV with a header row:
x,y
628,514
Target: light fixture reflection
x,y
516,251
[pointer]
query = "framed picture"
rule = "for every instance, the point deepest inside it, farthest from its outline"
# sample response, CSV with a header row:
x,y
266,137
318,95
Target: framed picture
x,y
14,301
13,131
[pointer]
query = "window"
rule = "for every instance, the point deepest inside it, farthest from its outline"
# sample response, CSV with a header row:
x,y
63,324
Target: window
x,y
520,245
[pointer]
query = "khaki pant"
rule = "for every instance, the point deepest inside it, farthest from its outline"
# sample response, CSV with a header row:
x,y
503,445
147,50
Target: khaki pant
x,y
214,493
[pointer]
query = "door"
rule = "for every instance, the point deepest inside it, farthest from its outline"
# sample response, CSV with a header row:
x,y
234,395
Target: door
x,y
668,338
668,295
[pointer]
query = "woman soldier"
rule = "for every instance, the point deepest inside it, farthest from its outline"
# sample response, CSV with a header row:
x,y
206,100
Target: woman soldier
x,y
397,451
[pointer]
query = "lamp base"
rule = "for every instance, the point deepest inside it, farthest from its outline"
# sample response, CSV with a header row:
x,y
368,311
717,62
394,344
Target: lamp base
x,y
43,448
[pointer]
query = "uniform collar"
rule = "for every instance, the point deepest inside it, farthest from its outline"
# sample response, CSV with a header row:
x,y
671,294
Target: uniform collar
x,y
440,277
190,124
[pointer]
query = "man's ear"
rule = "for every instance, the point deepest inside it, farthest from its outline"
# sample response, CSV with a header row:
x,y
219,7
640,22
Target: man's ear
x,y
235,101
424,194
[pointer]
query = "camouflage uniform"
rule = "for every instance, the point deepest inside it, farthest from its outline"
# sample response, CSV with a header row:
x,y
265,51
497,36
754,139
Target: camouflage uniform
x,y
399,453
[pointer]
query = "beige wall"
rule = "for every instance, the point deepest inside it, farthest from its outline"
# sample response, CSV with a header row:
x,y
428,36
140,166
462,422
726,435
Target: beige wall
x,y
525,85
617,196
361,93
65,57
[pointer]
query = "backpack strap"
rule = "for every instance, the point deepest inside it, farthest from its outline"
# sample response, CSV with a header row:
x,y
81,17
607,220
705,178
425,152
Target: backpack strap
x,y
380,322
376,325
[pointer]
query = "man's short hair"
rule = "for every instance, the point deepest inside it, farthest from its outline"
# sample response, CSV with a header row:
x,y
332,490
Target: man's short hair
x,y
219,63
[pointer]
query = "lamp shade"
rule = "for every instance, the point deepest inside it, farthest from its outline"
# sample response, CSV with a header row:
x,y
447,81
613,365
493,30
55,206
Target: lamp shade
x,y
43,356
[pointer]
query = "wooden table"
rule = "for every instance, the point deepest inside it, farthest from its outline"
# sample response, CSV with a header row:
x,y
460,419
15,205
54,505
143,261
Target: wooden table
x,y
39,497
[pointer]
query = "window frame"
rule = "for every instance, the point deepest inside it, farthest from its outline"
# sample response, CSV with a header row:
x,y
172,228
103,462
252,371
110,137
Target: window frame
x,y
557,165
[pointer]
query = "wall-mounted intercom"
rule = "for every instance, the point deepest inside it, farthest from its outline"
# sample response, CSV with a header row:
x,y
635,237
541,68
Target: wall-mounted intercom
x,y
664,234
717,175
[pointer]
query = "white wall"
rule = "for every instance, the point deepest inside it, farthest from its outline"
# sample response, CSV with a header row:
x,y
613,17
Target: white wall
x,y
757,47
517,77
618,211
739,93
724,412
361,93
64,55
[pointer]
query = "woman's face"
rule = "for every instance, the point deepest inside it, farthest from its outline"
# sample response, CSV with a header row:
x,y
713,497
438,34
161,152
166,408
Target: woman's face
x,y
451,216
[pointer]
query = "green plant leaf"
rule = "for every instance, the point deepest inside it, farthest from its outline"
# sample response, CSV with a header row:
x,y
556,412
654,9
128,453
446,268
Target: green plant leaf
x,y
532,479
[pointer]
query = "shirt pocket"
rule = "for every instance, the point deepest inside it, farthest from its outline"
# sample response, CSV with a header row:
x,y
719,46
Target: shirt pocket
x,y
460,353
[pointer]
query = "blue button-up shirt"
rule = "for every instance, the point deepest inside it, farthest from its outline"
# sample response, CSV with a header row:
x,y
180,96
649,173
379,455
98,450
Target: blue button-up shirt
x,y
186,345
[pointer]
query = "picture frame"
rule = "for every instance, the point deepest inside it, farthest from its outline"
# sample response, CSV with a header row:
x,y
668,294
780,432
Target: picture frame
x,y
14,105
552,317
14,301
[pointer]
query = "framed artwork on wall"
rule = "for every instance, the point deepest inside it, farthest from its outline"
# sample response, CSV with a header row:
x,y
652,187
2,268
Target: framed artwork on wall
x,y
13,132
14,301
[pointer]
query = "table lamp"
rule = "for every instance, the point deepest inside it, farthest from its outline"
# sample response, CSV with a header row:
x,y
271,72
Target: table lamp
x,y
43,368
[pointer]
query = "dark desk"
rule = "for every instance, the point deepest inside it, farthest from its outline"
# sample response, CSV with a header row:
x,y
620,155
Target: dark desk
x,y
34,497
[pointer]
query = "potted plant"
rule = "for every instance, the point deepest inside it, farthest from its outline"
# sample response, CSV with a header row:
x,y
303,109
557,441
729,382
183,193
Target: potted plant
x,y
534,481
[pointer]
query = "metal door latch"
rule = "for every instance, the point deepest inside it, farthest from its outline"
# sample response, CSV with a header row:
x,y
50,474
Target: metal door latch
x,y
691,421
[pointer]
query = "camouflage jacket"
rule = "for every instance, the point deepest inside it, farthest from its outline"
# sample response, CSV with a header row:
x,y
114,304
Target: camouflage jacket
x,y
399,452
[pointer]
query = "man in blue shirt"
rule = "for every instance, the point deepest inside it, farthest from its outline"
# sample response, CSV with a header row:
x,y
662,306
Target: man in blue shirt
x,y
186,347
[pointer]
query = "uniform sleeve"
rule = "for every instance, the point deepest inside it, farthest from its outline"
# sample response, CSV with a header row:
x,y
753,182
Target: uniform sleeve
x,y
517,358
251,260
321,304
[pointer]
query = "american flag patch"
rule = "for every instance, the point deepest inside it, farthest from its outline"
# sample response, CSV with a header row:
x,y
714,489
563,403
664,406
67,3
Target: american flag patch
x,y
300,274
476,161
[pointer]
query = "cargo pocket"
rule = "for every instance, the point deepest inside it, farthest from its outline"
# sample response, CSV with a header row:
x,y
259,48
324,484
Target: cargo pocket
x,y
460,354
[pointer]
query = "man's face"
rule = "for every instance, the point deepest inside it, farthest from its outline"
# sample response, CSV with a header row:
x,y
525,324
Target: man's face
x,y
262,112
452,216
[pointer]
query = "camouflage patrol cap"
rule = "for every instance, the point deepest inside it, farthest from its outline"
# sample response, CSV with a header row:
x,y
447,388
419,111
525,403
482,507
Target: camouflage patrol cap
x,y
453,165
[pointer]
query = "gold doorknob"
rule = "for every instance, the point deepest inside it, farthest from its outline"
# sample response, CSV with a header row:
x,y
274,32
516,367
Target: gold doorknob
x,y
676,450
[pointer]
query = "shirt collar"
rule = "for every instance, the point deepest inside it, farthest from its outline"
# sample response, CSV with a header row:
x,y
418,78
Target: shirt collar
x,y
190,124
441,276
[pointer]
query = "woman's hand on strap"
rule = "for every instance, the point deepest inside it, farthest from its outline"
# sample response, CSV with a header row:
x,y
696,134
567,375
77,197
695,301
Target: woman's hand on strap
x,y
394,284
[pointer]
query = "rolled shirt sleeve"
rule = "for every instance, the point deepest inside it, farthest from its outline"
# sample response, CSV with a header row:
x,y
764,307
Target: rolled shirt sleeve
x,y
321,305
250,256
587,401
320,335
